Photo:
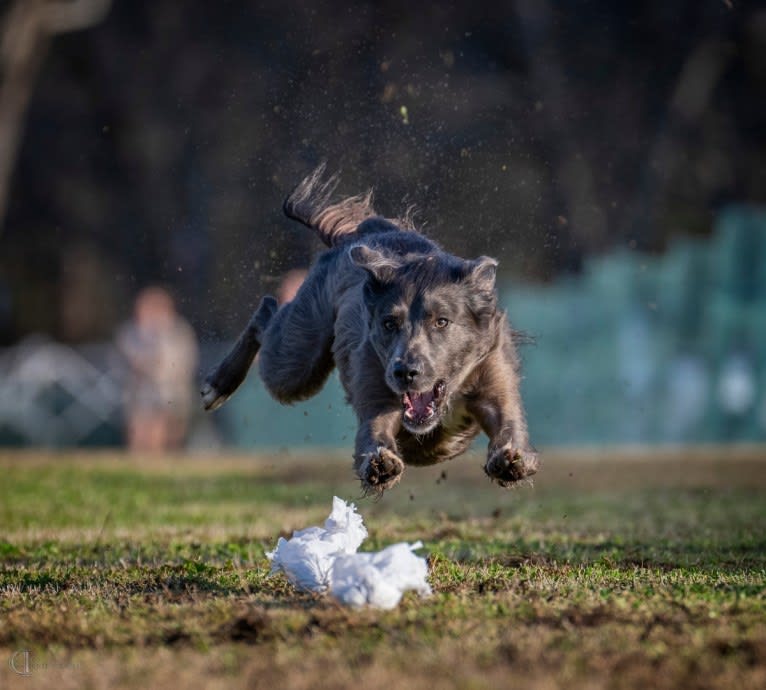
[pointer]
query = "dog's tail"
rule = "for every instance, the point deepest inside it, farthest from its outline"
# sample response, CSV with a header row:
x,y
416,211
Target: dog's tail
x,y
335,222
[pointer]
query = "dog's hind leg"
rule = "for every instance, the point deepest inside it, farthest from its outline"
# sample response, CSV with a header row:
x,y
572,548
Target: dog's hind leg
x,y
296,349
222,381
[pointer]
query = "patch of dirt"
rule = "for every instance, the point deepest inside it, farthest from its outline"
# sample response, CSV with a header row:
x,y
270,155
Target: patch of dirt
x,y
251,627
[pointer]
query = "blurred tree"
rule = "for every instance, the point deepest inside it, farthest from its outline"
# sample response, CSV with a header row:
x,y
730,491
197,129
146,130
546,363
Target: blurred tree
x,y
26,31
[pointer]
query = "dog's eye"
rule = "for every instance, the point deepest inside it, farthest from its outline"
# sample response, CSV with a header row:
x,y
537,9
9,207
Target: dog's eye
x,y
441,322
390,324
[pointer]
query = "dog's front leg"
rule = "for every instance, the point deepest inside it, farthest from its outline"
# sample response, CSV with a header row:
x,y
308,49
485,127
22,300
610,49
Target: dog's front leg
x,y
509,457
376,460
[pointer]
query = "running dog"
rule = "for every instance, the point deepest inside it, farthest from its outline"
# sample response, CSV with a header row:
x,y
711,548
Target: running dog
x,y
425,356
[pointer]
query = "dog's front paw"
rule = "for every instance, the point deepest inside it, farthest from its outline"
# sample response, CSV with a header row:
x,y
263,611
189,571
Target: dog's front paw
x,y
507,465
380,470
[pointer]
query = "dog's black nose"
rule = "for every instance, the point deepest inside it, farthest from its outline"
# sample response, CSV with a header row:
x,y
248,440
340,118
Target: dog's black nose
x,y
406,373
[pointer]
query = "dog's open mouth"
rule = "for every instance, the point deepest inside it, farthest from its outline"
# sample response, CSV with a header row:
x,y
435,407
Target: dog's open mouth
x,y
420,409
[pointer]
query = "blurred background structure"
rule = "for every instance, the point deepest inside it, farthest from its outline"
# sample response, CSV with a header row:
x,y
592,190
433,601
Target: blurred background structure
x,y
611,155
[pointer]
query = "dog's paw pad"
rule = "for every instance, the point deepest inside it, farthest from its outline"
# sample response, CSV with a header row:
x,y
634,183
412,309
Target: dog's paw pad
x,y
509,465
381,471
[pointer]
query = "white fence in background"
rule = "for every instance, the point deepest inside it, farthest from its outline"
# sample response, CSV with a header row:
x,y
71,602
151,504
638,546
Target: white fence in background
x,y
56,395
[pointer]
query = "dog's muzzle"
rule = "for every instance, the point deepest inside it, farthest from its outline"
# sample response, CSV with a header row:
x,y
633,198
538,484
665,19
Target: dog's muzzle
x,y
420,408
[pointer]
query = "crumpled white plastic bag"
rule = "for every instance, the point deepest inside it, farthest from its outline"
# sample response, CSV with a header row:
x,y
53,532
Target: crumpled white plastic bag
x,y
307,557
316,559
379,579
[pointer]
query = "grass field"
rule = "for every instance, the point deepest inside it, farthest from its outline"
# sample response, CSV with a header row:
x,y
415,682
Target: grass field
x,y
613,570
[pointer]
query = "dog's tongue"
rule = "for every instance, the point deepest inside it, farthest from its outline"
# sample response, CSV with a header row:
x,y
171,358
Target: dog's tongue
x,y
419,402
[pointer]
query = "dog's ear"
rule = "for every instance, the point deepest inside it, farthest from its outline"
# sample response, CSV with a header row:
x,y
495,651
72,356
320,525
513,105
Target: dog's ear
x,y
380,266
481,273
480,278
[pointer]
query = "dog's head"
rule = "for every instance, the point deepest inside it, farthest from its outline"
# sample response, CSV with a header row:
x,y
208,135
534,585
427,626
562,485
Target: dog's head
x,y
432,319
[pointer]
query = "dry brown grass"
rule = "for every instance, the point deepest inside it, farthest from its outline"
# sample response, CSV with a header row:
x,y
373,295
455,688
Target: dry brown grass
x,y
617,569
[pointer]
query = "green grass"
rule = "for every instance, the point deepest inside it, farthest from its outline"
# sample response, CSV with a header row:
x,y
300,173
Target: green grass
x,y
623,570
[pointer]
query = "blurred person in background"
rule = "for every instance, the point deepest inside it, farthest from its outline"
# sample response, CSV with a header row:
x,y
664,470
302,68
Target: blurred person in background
x,y
291,283
160,350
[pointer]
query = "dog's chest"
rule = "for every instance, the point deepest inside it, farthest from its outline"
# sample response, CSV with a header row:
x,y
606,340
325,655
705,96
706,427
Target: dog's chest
x,y
457,419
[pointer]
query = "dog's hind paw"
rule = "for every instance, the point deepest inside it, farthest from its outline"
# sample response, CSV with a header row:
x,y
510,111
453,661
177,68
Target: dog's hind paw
x,y
507,465
211,398
380,470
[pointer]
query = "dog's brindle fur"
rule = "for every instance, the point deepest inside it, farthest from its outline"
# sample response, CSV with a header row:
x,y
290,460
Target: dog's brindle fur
x,y
425,357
